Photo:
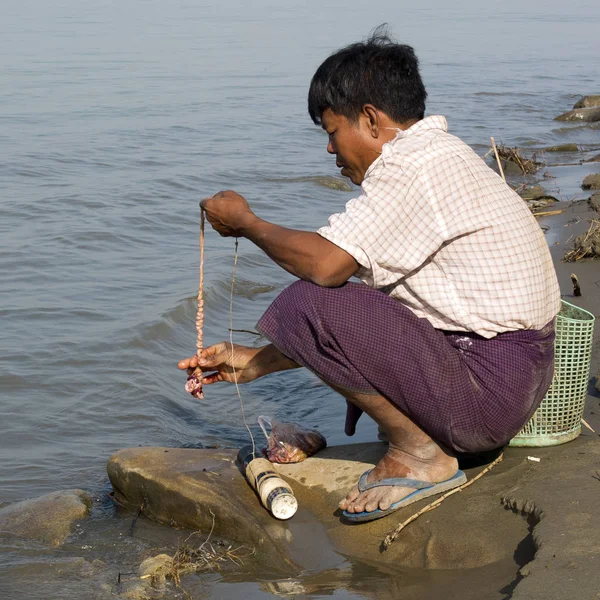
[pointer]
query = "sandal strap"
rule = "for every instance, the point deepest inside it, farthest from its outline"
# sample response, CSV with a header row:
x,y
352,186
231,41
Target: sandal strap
x,y
416,484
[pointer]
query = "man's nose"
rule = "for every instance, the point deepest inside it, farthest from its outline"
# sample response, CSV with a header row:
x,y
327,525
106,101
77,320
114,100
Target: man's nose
x,y
330,148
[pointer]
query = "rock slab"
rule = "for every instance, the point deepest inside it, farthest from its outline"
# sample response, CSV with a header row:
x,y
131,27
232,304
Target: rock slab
x,y
585,115
591,182
48,519
588,102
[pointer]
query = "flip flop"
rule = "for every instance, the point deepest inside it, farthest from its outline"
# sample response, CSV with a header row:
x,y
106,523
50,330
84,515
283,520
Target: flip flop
x,y
424,489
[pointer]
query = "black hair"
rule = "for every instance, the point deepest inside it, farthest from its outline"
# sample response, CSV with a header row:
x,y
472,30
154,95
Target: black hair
x,y
378,71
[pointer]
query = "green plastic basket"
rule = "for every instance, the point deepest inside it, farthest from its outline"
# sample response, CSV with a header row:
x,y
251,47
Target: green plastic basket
x,y
558,418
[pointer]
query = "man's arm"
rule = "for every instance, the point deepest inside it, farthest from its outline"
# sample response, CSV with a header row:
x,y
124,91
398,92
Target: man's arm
x,y
304,254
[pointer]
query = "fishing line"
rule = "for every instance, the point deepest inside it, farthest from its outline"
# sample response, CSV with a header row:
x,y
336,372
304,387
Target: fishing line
x,y
235,379
194,383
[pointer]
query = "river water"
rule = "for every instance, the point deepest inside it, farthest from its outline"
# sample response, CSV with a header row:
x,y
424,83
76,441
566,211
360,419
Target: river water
x,y
117,117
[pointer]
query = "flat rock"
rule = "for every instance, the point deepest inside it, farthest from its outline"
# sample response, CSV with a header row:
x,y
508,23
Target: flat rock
x,y
585,115
532,192
48,519
588,102
562,148
198,489
591,182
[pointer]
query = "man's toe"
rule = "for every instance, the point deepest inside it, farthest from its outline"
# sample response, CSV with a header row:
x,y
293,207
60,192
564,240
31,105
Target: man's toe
x,y
349,499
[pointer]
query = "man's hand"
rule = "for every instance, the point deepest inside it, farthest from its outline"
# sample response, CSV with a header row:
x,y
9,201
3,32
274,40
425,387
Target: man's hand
x,y
248,363
223,361
228,213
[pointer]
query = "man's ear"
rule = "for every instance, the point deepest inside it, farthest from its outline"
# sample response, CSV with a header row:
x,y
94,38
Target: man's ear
x,y
372,119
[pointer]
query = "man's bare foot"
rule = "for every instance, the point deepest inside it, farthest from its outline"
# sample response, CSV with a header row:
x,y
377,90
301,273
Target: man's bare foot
x,y
236,363
397,463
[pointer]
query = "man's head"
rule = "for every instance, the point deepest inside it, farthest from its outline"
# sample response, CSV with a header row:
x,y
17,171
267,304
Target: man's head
x,y
361,94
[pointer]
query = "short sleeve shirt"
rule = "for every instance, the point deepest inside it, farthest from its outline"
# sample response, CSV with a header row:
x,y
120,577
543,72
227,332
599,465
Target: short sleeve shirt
x,y
440,231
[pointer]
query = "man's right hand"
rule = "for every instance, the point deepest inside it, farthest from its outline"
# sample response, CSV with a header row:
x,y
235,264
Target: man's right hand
x,y
241,365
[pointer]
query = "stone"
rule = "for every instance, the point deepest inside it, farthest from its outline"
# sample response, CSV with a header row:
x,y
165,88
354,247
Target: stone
x,y
585,115
593,159
198,489
532,192
588,102
333,183
510,167
563,148
591,182
155,569
48,519
594,202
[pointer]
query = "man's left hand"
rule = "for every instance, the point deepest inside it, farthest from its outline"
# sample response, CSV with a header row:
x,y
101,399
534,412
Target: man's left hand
x,y
228,213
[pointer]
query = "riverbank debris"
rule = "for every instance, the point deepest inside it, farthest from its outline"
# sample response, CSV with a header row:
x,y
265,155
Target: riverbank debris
x,y
208,556
527,166
586,245
391,537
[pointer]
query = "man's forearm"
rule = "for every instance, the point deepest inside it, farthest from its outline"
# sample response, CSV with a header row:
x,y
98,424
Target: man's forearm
x,y
304,254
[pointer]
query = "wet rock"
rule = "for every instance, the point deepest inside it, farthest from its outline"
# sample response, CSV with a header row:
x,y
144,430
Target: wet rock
x,y
591,182
333,183
563,148
585,115
536,197
201,490
48,519
510,167
594,202
541,202
532,192
156,569
588,102
593,159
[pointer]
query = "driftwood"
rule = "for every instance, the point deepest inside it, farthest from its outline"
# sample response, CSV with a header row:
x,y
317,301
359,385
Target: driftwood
x,y
549,213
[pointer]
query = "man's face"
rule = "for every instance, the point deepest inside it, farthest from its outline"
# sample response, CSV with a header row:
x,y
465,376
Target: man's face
x,y
353,144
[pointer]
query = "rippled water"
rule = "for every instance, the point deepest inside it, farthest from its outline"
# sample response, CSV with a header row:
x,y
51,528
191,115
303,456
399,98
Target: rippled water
x,y
117,117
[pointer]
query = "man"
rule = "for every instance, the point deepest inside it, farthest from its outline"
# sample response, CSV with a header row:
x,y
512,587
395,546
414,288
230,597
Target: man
x,y
448,341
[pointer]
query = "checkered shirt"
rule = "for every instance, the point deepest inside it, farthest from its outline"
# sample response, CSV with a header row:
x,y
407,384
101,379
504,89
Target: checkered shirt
x,y
439,230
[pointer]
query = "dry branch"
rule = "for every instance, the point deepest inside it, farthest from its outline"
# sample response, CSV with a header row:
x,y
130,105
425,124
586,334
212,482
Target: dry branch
x,y
391,537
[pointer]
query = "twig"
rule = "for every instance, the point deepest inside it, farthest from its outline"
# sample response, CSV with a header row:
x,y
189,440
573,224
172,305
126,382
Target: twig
x,y
498,159
139,512
245,331
548,213
391,537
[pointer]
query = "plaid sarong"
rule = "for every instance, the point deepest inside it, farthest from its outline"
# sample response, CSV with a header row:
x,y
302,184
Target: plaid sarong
x,y
467,392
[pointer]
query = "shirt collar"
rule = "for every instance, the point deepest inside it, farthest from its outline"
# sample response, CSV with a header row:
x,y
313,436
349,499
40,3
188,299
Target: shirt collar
x,y
432,123
427,124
